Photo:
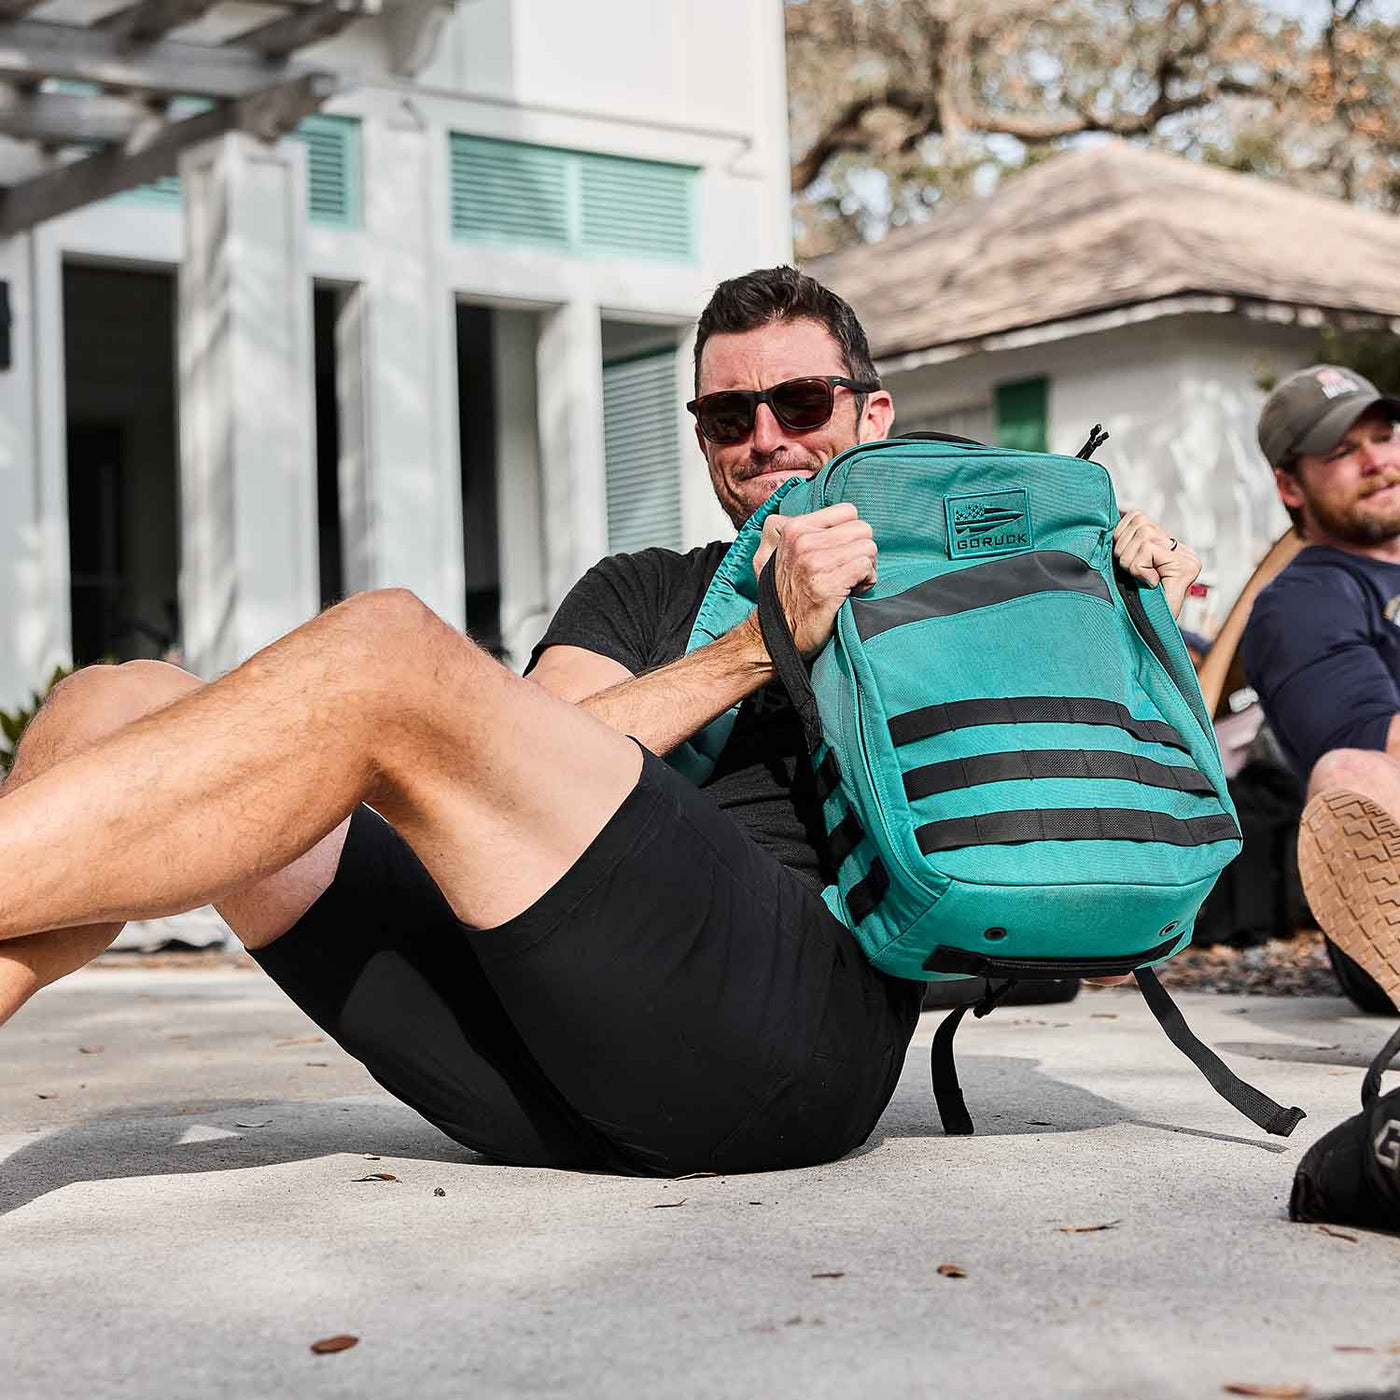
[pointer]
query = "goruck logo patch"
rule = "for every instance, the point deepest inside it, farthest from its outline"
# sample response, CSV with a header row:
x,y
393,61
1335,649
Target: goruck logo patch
x,y
996,522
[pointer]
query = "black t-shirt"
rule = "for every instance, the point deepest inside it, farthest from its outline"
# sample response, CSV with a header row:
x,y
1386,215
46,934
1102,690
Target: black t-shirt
x,y
638,609
1322,648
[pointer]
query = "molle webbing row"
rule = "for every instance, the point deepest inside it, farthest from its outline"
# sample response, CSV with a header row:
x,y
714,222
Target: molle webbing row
x,y
862,897
1074,824
1030,709
959,773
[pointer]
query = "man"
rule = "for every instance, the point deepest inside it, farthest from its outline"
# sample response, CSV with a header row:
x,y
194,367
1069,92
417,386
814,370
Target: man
x,y
1323,650
541,937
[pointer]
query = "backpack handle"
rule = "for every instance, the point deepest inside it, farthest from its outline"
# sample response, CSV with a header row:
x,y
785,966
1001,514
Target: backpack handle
x,y
787,660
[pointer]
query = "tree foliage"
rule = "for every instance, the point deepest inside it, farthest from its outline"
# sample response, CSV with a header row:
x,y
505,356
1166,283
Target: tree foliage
x,y
898,105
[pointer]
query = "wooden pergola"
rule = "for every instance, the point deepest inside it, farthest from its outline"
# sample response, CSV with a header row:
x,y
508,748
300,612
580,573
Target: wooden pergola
x,y
88,109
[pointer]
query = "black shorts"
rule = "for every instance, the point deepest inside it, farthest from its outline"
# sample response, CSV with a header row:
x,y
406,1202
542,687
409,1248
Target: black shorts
x,y
677,1002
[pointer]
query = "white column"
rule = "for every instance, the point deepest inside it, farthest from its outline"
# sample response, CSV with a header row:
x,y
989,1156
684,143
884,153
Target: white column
x,y
247,401
570,373
411,466
524,601
35,616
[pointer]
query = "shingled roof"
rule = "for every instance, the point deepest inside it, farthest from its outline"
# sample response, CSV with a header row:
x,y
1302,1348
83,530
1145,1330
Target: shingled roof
x,y
1111,227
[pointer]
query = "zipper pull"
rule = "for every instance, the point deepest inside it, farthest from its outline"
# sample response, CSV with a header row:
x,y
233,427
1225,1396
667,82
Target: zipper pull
x,y
1097,438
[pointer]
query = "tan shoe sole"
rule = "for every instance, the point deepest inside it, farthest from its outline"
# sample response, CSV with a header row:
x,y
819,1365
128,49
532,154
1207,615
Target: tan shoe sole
x,y
1349,858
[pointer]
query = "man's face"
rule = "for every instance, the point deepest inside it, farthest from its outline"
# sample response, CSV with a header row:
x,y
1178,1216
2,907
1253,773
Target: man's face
x,y
744,474
1351,494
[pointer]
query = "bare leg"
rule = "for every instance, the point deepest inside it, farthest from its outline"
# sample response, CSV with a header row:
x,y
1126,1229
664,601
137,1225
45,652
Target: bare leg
x,y
87,707
498,786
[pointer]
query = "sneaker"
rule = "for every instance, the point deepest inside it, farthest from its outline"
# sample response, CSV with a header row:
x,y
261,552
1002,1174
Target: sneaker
x,y
1351,1176
1349,860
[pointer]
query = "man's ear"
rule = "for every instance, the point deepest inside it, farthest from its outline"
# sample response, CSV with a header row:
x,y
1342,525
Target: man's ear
x,y
1290,489
878,418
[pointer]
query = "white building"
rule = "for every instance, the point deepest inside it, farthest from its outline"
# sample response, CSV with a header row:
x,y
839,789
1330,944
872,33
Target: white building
x,y
1147,292
438,339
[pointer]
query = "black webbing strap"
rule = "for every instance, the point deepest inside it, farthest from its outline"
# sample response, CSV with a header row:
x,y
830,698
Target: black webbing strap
x,y
1371,1085
828,776
1097,438
1029,709
954,774
787,660
1073,824
863,897
947,1092
845,838
1258,1107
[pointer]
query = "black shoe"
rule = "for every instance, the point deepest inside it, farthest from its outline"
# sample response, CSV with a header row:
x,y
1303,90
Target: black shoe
x,y
1351,1176
1030,993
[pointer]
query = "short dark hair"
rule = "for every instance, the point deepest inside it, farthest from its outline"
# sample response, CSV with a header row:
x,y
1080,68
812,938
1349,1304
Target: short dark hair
x,y
771,294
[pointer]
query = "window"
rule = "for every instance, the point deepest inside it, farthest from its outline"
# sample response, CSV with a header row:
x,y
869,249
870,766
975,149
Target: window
x,y
570,201
642,452
1021,414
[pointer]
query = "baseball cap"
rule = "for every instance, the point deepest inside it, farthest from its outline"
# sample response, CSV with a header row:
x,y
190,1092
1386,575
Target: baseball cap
x,y
1311,411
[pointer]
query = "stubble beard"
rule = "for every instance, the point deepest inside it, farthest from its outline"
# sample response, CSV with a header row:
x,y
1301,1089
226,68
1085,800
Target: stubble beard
x,y
1354,525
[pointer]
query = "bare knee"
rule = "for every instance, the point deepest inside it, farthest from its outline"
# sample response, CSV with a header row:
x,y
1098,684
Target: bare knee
x,y
1358,770
94,702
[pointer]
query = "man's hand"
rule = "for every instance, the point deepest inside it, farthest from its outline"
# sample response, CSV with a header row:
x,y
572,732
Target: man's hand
x,y
821,559
1145,550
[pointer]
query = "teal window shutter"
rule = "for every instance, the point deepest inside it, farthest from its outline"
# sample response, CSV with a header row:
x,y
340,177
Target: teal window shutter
x,y
506,192
571,201
1022,413
642,452
637,207
332,170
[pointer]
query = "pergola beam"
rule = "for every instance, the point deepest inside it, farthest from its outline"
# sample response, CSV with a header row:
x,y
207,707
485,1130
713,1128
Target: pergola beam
x,y
268,115
61,119
152,19
31,51
300,27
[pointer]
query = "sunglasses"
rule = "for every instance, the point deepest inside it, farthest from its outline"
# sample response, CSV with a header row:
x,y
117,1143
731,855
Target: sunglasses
x,y
799,405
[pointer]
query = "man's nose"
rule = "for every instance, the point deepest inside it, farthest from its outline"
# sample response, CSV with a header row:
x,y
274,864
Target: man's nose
x,y
767,431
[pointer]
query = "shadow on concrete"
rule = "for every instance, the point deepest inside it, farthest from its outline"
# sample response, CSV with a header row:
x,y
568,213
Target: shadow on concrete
x,y
1005,1094
169,1139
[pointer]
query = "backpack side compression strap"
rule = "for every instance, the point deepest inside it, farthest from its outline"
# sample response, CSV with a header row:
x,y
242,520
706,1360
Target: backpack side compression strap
x,y
1258,1107
787,660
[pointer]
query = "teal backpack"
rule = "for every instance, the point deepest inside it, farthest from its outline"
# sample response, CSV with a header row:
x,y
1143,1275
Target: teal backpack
x,y
1018,775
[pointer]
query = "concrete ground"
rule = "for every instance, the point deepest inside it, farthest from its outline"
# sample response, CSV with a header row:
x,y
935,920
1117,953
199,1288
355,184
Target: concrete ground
x,y
180,1216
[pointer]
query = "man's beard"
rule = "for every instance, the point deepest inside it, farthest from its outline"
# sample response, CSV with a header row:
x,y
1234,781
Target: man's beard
x,y
1353,526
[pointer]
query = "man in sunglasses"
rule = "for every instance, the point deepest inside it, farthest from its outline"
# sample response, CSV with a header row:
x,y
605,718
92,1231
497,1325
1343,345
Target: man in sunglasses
x,y
490,889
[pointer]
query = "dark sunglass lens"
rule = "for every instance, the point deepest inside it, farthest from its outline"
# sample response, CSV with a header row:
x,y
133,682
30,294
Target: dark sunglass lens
x,y
725,417
803,403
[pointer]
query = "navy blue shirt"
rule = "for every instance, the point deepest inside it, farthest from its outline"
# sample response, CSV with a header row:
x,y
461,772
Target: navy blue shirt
x,y
1322,648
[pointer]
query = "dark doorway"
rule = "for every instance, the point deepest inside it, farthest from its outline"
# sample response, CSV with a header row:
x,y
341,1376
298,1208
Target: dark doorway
x,y
325,308
123,492
476,413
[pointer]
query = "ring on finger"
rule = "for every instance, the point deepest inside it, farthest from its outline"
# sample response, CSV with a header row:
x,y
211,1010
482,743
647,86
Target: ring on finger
x,y
1175,542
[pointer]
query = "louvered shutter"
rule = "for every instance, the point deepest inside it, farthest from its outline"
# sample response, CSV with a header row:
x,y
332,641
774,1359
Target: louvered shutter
x,y
636,207
332,170
642,444
571,201
506,192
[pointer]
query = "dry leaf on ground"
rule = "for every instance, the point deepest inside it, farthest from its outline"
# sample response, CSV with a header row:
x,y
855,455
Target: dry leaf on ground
x,y
831,1273
670,1205
91,1049
1088,1229
1267,1392
251,1123
952,1271
1369,1351
1335,1233
378,1176
341,1342
302,1040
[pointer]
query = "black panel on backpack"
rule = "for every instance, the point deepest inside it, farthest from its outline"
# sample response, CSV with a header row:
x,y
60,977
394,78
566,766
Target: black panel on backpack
x,y
1074,824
